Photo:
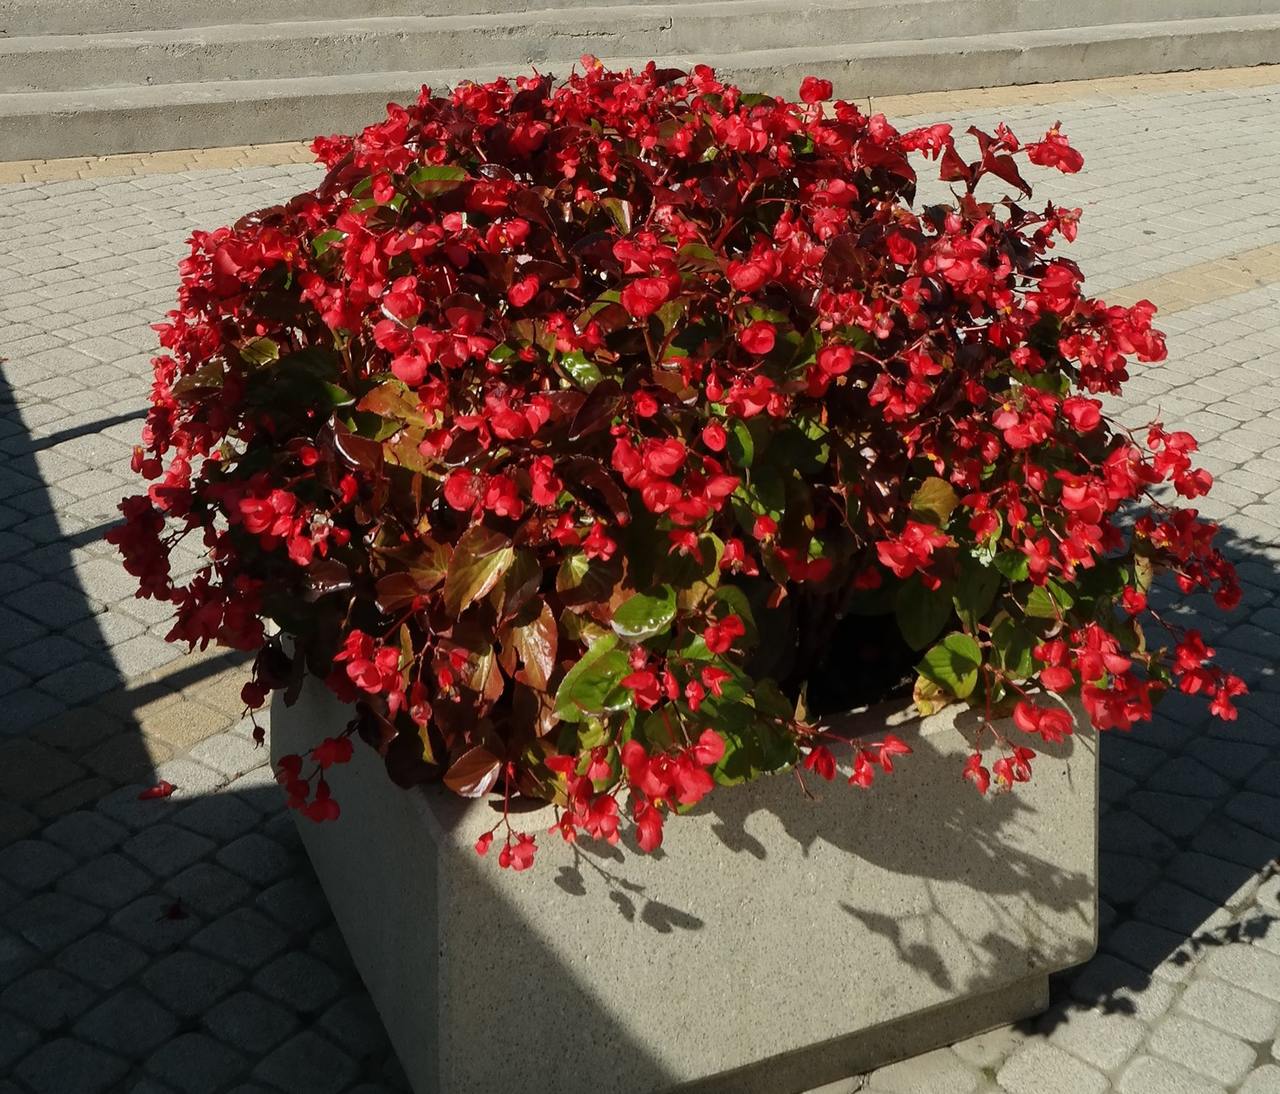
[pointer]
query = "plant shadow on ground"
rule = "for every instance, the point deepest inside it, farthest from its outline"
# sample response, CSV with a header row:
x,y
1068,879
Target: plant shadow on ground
x,y
137,938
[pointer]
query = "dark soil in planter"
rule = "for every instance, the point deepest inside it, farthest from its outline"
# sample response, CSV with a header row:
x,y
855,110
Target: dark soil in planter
x,y
866,661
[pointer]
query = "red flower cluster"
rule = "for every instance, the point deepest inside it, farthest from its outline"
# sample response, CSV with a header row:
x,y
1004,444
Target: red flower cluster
x,y
515,423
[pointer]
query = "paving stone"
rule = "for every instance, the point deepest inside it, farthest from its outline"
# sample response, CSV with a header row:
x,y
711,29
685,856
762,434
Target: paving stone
x,y
1202,1049
103,959
251,1023
33,864
50,921
1105,1040
46,998
1124,878
1178,909
190,779
939,1072
299,980
1230,1009
125,807
242,937
16,955
1119,987
164,849
1127,833
330,947
257,858
297,903
307,1062
222,817
1039,1068
30,771
109,881
230,754
1151,1075
85,834
1266,1080
1165,954
353,1022
67,1064
1247,967
189,983
1257,811
1225,839
196,1064
1187,776
129,1023
1227,884
157,922
208,889
1172,814
17,1038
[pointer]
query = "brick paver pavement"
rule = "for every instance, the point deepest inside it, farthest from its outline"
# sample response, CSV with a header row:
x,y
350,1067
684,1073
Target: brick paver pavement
x,y
183,945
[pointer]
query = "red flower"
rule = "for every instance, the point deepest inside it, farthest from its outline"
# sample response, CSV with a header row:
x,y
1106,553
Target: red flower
x,y
1052,724
1054,151
645,295
758,338
821,762
814,90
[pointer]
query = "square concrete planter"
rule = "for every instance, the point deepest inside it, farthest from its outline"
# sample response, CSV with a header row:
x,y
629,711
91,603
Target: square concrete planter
x,y
774,944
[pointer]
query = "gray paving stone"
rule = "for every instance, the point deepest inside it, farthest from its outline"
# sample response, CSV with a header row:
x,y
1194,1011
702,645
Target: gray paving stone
x,y
1225,839
208,889
230,754
1119,987
1187,776
1266,1080
1230,1009
299,980
67,1064
296,903
1127,833
1039,1068
33,864
84,834
196,1064
1203,1049
50,921
1124,878
307,1062
189,983
243,937
353,1022
1258,811
1151,1075
1165,954
222,817
251,1023
1100,1038
17,1038
164,849
191,780
157,922
257,858
46,998
1247,967
129,1023
938,1072
1178,909
109,881
104,960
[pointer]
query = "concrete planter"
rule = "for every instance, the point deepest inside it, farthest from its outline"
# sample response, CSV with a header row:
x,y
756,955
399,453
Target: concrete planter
x,y
774,944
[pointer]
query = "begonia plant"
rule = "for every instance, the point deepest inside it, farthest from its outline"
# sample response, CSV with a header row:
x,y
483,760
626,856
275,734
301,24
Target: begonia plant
x,y
561,428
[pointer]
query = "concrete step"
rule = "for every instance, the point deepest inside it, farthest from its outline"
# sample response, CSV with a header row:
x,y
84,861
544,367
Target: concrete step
x,y
99,121
315,47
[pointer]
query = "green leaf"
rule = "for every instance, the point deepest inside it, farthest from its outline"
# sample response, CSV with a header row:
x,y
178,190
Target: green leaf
x,y
592,685
921,613
432,180
583,372
325,240
481,557
934,501
975,591
1013,644
1048,601
741,447
1013,564
645,614
260,351
953,664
